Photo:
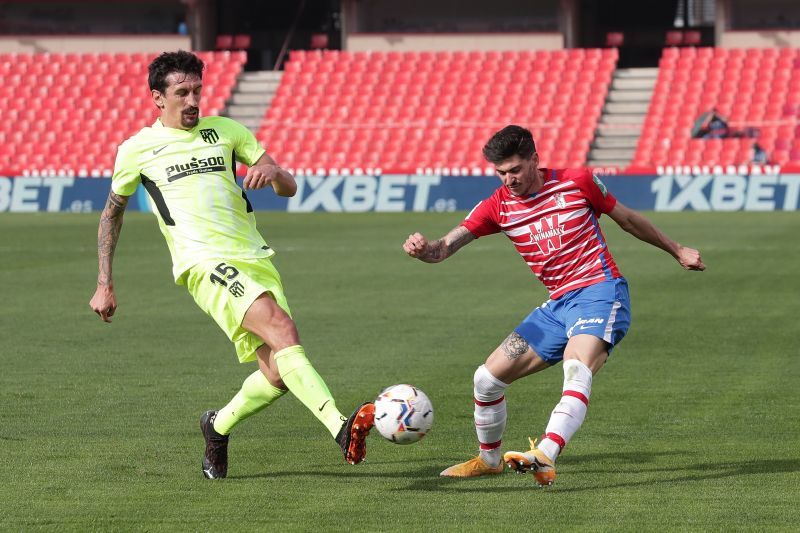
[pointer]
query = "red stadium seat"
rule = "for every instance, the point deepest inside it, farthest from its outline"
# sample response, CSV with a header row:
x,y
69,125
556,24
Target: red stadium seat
x,y
68,90
224,42
673,38
319,41
241,41
432,97
740,84
691,38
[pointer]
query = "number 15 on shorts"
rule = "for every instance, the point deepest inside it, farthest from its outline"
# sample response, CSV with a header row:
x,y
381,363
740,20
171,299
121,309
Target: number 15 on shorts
x,y
227,273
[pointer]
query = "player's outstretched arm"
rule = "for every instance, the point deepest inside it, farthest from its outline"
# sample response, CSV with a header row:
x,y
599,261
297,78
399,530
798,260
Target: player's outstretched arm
x,y
437,251
267,172
104,301
640,227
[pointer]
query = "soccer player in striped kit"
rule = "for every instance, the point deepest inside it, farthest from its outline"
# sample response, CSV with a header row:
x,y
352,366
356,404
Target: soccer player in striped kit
x,y
551,216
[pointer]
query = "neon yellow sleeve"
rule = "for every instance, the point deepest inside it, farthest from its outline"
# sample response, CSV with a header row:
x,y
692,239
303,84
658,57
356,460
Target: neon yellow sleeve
x,y
248,151
127,174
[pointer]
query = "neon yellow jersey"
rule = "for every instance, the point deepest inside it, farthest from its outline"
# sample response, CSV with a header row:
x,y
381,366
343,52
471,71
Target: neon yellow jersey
x,y
191,180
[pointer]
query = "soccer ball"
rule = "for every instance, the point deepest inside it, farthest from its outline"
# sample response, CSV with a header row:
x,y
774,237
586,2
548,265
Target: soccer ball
x,y
403,414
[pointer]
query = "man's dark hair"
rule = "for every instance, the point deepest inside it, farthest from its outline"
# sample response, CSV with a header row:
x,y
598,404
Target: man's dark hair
x,y
508,142
169,62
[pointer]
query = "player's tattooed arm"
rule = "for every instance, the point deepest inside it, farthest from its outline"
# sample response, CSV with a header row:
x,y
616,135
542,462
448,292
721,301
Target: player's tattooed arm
x,y
104,302
108,235
436,251
514,346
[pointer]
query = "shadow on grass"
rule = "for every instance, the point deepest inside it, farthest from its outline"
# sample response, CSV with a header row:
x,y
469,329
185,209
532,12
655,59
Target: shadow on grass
x,y
368,469
355,472
399,469
628,466
631,464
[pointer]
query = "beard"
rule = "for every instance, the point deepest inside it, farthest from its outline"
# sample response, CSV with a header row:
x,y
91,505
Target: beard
x,y
190,120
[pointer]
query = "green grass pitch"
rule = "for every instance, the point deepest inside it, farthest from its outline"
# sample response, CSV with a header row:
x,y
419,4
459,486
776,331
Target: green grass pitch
x,y
693,423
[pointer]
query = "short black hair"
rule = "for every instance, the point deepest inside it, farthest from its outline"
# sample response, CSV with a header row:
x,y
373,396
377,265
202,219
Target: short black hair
x,y
169,62
508,142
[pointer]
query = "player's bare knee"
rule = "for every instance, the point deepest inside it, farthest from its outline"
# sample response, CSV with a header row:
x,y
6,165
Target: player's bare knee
x,y
282,322
271,323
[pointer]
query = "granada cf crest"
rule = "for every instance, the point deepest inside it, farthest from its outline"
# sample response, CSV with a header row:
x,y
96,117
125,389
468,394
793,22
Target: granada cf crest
x,y
210,136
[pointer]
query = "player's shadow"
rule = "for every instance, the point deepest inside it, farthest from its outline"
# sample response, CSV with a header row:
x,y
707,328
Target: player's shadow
x,y
634,464
418,474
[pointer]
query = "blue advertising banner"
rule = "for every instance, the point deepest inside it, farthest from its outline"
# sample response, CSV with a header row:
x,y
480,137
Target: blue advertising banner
x,y
756,191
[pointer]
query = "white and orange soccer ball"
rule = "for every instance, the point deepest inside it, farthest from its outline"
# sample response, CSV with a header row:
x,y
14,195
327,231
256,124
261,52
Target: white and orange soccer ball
x,y
403,414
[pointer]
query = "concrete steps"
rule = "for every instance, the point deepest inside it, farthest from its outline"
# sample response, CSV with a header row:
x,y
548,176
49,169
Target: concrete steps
x,y
252,97
637,73
633,84
622,118
618,163
618,130
618,141
621,122
617,95
604,154
627,108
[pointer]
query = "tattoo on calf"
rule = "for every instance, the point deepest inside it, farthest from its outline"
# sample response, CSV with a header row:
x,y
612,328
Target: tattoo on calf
x,y
514,346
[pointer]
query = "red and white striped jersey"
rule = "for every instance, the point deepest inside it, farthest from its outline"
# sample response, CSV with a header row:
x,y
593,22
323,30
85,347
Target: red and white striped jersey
x,y
555,230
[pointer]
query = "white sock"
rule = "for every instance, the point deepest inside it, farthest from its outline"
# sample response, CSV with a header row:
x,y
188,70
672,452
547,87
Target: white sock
x,y
570,412
490,414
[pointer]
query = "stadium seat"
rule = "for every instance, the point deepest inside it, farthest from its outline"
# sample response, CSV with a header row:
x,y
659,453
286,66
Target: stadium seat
x,y
241,42
434,108
673,38
691,38
224,42
741,84
67,90
318,41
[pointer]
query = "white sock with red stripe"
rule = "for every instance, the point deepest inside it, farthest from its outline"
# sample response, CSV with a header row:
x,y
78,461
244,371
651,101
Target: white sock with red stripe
x,y
490,414
568,415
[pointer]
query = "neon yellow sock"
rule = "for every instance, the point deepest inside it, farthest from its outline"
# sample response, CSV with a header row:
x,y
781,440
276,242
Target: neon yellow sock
x,y
256,394
304,382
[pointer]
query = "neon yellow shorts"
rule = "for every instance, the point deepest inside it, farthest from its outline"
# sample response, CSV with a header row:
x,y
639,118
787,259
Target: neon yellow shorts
x,y
225,290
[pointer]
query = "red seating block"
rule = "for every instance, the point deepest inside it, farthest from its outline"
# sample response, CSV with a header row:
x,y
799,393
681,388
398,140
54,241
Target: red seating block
x,y
68,90
741,84
438,108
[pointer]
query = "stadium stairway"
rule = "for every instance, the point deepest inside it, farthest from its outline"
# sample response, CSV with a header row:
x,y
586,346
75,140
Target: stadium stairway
x,y
252,97
623,115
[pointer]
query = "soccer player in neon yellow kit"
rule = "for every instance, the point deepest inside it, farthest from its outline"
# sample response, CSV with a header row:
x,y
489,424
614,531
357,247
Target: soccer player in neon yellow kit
x,y
187,164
